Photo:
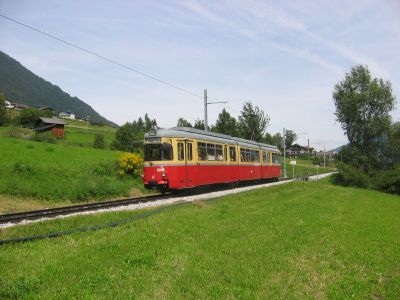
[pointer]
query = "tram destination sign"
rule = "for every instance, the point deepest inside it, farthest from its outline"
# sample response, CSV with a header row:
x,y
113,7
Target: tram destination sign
x,y
153,140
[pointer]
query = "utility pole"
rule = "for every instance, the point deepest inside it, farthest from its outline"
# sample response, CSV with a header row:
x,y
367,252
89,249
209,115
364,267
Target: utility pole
x,y
205,111
284,152
206,103
324,157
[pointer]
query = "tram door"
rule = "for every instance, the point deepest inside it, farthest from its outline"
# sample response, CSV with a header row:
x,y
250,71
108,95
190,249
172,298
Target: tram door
x,y
233,164
185,154
190,165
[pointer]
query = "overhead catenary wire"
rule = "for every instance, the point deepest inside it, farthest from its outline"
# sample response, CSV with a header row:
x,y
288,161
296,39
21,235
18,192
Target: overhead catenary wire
x,y
171,85
124,66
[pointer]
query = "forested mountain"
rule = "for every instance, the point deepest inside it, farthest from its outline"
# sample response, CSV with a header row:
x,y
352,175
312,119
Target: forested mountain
x,y
20,85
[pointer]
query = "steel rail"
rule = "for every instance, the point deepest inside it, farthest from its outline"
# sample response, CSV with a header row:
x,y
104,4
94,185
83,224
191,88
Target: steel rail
x,y
66,210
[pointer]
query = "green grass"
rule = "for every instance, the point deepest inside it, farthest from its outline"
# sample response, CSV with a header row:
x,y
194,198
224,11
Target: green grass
x,y
301,168
297,241
77,133
85,137
82,133
59,172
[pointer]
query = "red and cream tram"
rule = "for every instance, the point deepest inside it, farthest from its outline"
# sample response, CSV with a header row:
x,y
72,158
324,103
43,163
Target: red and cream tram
x,y
183,157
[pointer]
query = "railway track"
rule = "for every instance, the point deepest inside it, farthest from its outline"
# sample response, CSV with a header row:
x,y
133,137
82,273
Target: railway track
x,y
66,210
14,218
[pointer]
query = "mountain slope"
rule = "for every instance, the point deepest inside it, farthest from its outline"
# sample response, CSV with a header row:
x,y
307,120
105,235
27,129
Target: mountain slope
x,y
22,86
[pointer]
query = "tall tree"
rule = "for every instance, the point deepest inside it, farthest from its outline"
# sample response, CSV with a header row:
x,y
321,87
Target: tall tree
x,y
275,139
290,138
363,106
199,124
226,124
183,123
140,123
129,137
148,123
252,122
3,117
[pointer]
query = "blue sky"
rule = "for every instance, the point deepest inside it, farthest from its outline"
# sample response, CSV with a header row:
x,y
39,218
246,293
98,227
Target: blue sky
x,y
285,57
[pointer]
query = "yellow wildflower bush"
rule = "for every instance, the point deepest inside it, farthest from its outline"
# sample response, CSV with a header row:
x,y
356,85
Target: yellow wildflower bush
x,y
130,163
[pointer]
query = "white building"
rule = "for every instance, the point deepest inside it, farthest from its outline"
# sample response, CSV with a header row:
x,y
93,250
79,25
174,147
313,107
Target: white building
x,y
9,105
67,115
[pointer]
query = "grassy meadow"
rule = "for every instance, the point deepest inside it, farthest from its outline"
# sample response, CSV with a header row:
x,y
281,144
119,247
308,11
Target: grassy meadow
x,y
59,172
81,133
301,168
297,241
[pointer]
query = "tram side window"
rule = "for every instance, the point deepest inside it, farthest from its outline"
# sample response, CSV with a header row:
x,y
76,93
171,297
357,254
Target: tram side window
x,y
245,155
180,151
264,154
166,151
218,152
276,159
242,155
202,151
189,151
249,155
232,153
210,151
255,155
158,152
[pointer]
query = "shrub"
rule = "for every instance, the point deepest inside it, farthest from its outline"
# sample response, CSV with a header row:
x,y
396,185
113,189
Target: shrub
x,y
3,115
103,169
130,163
99,142
350,176
46,137
23,169
21,133
388,181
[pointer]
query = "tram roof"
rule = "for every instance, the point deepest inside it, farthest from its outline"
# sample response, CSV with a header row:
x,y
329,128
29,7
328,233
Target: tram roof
x,y
193,133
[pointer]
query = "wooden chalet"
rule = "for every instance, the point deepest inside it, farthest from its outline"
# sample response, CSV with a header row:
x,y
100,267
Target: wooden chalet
x,y
297,150
55,125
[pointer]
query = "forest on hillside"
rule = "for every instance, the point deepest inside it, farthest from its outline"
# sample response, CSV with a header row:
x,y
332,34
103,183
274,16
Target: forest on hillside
x,y
20,85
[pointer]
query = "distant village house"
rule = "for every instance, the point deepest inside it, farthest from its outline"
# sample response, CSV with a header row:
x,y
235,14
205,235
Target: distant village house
x,y
47,109
54,125
297,150
9,105
67,115
19,106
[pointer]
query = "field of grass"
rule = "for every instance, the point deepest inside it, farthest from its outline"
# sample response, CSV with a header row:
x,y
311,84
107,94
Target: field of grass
x,y
301,168
77,133
298,241
82,133
59,172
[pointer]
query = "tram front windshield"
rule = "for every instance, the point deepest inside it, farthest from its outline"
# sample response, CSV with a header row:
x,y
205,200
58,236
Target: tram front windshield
x,y
157,152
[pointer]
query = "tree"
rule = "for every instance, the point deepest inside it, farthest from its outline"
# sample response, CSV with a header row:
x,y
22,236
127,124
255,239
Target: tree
x,y
290,138
199,124
275,139
140,123
148,123
252,122
3,116
99,142
183,123
394,144
363,106
129,137
29,117
226,124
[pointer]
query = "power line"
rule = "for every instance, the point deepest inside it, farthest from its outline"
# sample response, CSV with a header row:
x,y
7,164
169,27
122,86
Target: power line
x,y
103,57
